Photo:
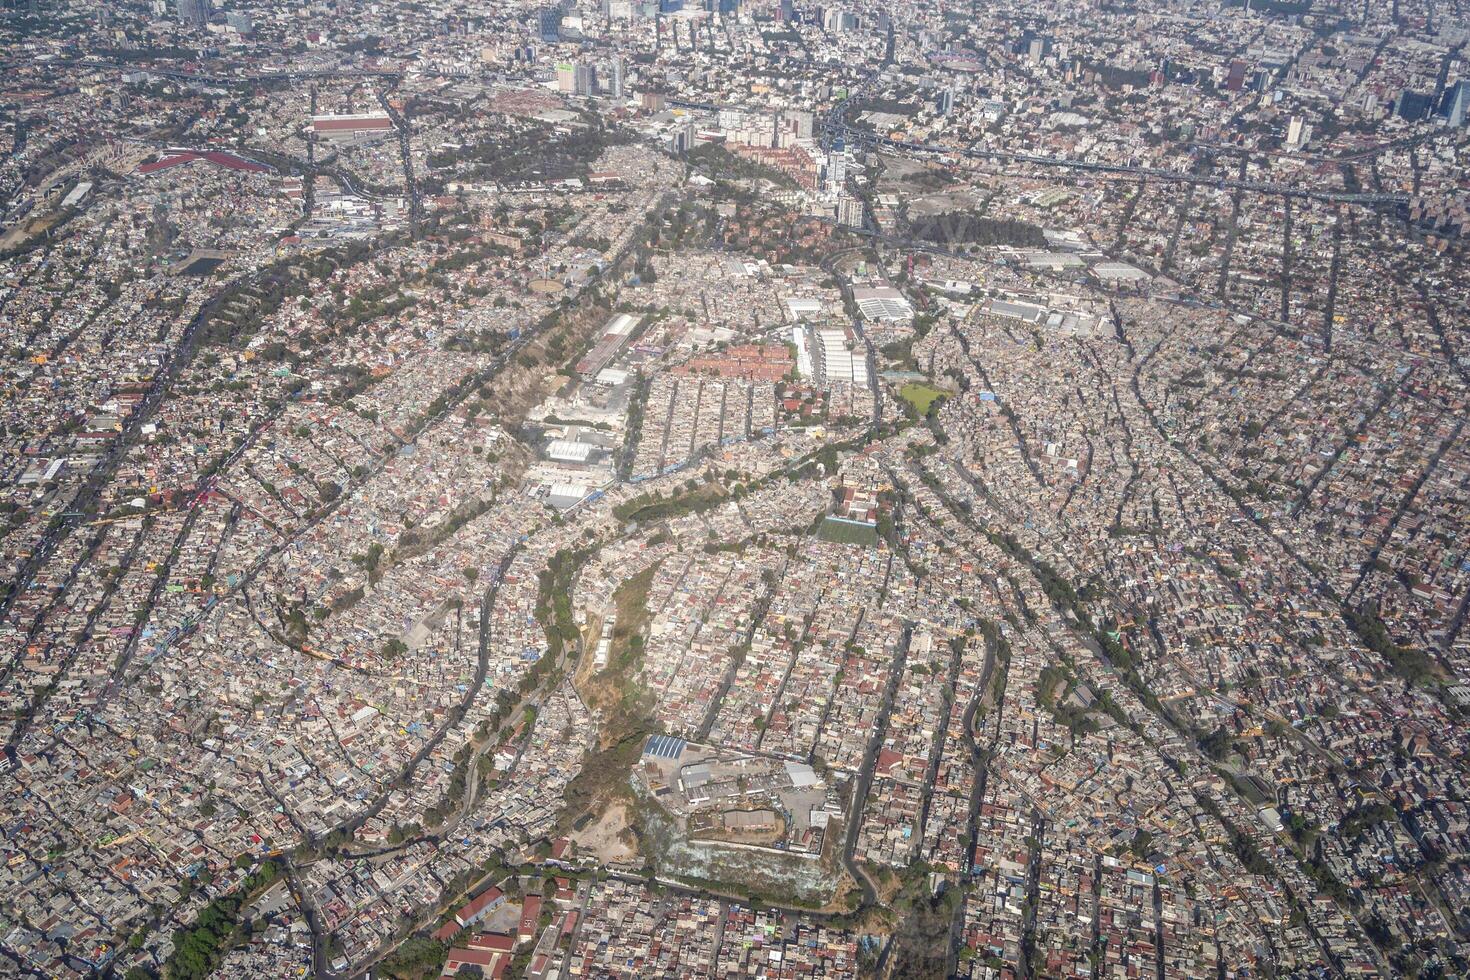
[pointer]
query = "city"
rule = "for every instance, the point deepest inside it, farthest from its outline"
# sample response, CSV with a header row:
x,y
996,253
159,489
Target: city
x,y
740,488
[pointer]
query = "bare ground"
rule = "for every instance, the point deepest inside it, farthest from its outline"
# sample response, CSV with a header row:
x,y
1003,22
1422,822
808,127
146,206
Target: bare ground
x,y
610,839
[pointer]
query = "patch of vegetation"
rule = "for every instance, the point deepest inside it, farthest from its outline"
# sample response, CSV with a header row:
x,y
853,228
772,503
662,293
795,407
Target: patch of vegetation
x,y
901,352
199,949
1074,717
537,154
921,939
416,957
972,228
1414,666
648,508
720,164
554,601
1218,745
1360,819
614,691
922,397
603,777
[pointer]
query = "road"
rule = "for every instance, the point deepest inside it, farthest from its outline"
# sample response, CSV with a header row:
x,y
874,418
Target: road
x,y
102,472
864,779
321,964
861,137
410,184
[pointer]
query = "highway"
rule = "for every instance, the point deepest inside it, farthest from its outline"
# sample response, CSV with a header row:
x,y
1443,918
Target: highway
x,y
860,137
834,126
244,78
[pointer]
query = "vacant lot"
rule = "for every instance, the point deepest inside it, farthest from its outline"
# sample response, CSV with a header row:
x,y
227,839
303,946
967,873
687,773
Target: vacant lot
x,y
610,838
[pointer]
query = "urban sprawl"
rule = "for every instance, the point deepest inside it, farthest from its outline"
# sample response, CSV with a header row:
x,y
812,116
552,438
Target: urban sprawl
x,y
751,488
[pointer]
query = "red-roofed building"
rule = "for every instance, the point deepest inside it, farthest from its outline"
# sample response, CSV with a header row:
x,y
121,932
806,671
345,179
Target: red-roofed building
x,y
227,160
480,906
530,915
887,759
232,162
351,127
495,942
167,162
490,951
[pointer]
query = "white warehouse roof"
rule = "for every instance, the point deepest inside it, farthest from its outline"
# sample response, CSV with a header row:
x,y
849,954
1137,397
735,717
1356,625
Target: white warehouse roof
x,y
568,451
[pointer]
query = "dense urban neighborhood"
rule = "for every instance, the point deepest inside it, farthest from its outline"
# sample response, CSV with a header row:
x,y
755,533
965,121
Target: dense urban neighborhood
x,y
659,488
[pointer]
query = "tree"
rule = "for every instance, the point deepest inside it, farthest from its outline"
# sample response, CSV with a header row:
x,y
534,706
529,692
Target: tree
x,y
414,957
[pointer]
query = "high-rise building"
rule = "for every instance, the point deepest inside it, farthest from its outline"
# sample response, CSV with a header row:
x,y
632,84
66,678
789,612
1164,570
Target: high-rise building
x,y
799,122
548,24
836,171
584,79
1455,107
1298,133
1413,106
836,20
617,78
194,12
683,137
1235,76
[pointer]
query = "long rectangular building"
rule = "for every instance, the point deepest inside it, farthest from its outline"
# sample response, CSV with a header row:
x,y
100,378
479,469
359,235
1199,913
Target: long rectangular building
x,y
355,126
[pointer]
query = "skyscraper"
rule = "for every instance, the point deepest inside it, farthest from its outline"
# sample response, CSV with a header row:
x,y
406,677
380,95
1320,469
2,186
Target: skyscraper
x,y
836,171
617,78
548,23
1413,106
194,12
1235,76
585,79
1455,107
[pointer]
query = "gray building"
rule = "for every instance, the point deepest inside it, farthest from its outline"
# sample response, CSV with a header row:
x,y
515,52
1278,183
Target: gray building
x,y
194,13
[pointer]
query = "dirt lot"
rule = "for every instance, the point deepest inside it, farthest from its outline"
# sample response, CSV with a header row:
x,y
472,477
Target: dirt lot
x,y
609,839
